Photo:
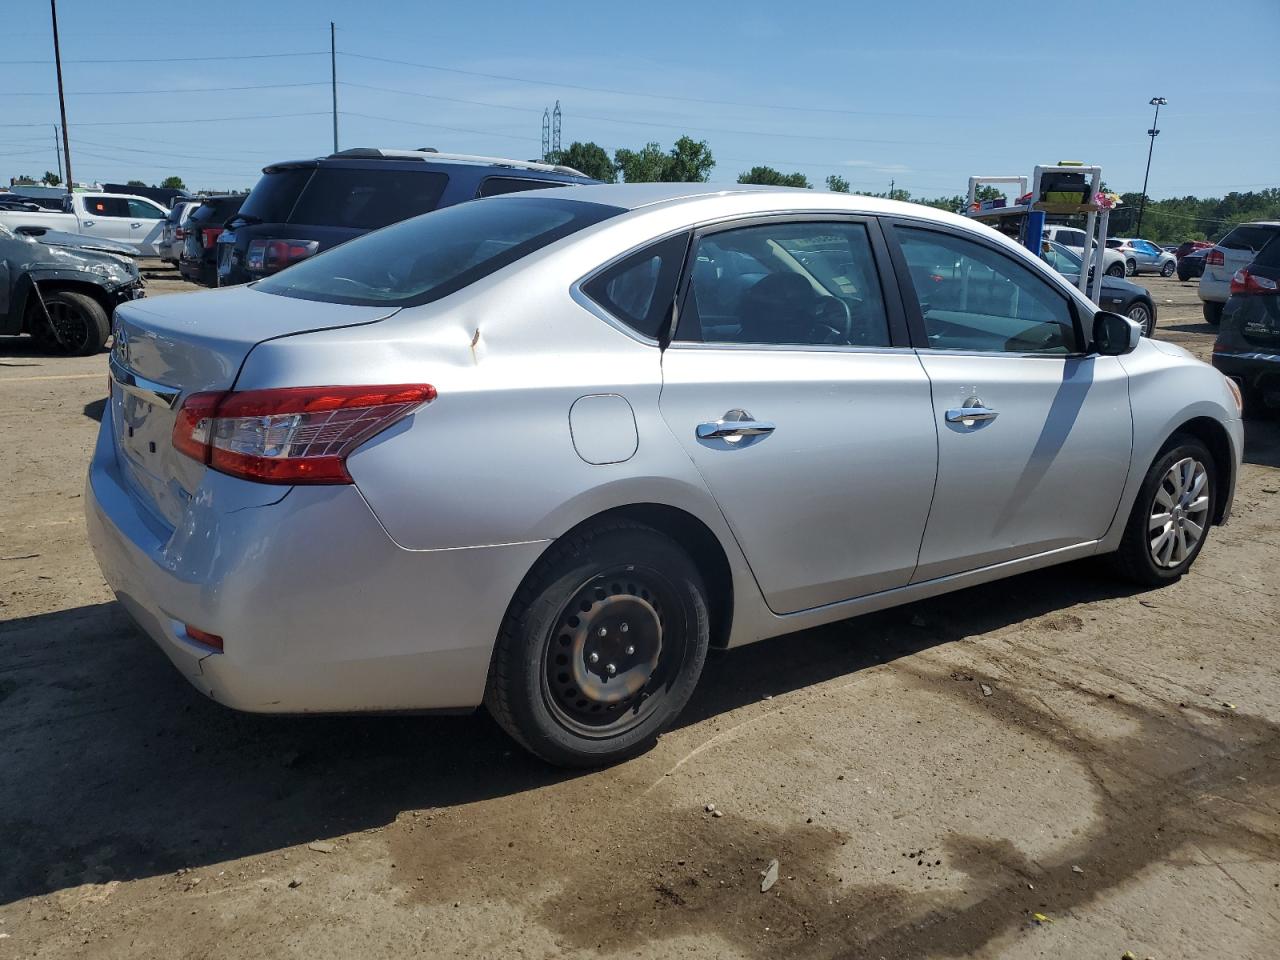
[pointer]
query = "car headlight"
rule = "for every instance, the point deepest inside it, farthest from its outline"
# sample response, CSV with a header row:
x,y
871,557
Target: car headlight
x,y
1236,395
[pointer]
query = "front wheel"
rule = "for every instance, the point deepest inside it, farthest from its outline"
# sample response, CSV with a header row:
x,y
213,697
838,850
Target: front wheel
x,y
80,322
1170,519
1168,268
1115,270
601,647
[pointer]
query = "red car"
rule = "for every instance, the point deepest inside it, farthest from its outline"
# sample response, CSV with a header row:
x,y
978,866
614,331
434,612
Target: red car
x,y
1187,246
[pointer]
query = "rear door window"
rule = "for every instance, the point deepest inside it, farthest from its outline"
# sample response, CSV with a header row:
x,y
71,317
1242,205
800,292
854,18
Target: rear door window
x,y
494,186
367,199
274,196
106,206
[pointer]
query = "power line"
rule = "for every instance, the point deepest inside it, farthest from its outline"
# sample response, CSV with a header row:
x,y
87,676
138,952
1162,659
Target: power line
x,y
121,123
240,56
129,93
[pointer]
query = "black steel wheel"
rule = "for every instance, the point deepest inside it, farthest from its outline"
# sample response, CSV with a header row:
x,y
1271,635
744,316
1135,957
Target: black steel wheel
x,y
601,647
80,322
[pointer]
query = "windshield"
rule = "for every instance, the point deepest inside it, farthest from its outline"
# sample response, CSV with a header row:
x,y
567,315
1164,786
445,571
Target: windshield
x,y
1059,257
431,256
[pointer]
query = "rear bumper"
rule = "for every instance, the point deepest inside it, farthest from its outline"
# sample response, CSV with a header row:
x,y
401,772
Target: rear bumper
x,y
319,610
1213,289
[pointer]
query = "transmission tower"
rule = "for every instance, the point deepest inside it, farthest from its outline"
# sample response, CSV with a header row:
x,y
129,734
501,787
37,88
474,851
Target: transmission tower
x,y
555,129
546,134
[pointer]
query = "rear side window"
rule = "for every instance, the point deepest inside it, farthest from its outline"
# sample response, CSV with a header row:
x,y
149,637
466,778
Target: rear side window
x,y
495,186
273,196
106,206
640,289
367,199
424,259
1248,237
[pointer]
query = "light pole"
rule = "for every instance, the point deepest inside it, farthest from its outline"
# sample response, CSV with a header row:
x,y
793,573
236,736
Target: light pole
x,y
1154,132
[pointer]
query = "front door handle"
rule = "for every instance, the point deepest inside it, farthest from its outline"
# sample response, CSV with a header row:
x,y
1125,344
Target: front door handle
x,y
734,425
88,223
135,225
974,414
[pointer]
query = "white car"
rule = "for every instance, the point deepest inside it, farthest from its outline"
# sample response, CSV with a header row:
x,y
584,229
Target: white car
x,y
1143,256
1234,251
135,221
1113,262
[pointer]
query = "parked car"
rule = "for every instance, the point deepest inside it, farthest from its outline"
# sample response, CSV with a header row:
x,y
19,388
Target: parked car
x,y
1143,256
1237,249
174,232
542,451
62,288
1118,294
1074,239
199,260
135,221
1248,344
1188,246
299,209
1191,265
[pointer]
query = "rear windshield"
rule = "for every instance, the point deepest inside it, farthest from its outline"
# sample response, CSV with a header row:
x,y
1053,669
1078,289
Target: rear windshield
x,y
1270,254
1248,237
427,258
273,197
217,211
367,199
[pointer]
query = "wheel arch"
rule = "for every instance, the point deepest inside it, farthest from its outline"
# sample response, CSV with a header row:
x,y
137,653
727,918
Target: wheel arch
x,y
54,283
1215,437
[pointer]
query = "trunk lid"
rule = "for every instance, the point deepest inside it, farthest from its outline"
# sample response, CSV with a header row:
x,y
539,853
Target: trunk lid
x,y
173,346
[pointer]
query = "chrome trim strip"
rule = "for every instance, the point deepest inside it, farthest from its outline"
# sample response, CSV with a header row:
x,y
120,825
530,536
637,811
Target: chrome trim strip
x,y
148,390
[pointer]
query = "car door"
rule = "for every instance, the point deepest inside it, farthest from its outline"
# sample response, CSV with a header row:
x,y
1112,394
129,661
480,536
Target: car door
x,y
1034,435
106,216
146,226
791,385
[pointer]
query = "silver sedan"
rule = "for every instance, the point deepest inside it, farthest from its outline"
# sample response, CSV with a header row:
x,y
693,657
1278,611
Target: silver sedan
x,y
543,451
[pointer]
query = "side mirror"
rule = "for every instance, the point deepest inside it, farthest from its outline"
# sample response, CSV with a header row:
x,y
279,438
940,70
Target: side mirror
x,y
1114,335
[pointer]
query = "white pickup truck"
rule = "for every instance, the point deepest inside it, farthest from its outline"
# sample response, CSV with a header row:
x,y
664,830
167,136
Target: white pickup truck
x,y
135,221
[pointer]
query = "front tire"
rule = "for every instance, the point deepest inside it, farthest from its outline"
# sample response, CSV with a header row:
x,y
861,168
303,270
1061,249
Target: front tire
x,y
82,323
1171,516
601,647
1168,268
1115,270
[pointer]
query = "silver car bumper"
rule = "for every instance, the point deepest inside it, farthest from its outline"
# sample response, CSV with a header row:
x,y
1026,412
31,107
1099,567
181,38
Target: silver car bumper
x,y
320,611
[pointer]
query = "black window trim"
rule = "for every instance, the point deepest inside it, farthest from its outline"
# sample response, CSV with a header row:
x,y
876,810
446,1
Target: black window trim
x,y
899,338
579,295
915,318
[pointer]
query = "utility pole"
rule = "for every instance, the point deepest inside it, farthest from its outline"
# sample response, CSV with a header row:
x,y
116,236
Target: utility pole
x,y
333,75
891,183
62,100
57,150
1154,132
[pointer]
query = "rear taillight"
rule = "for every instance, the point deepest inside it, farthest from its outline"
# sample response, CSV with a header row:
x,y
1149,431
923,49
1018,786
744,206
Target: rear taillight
x,y
1244,282
1214,258
290,435
180,233
211,235
268,256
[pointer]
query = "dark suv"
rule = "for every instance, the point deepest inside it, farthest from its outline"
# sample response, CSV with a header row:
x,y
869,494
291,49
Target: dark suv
x,y
300,208
198,261
1248,345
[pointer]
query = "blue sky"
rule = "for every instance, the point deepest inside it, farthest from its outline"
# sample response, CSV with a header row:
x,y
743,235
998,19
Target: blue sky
x,y
921,92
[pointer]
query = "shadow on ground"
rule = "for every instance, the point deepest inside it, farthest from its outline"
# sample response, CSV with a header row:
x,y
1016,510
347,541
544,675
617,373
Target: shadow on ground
x,y
116,769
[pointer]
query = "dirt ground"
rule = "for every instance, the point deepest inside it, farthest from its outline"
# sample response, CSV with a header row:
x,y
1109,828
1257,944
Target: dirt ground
x,y
1056,765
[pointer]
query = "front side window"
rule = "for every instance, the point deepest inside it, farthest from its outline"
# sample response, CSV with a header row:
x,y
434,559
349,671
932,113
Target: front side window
x,y
639,290
424,259
144,211
797,284
973,297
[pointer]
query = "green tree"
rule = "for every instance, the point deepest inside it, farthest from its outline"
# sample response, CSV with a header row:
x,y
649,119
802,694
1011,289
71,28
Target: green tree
x,y
690,161
22,181
173,183
50,178
837,184
590,158
774,178
135,183
646,165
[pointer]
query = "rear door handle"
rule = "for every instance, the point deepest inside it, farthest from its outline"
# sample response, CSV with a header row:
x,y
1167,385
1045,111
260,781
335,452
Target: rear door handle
x,y
977,414
135,224
734,424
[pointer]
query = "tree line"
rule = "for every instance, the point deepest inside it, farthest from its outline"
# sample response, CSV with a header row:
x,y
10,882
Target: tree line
x,y
1171,220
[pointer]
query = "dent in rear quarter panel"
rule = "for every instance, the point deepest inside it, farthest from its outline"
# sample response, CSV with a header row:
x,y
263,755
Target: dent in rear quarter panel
x,y
1167,388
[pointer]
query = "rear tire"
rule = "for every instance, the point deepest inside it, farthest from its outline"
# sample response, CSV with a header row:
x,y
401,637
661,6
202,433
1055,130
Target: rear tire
x,y
1177,498
1115,270
1212,312
601,647
1168,268
1130,268
83,325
